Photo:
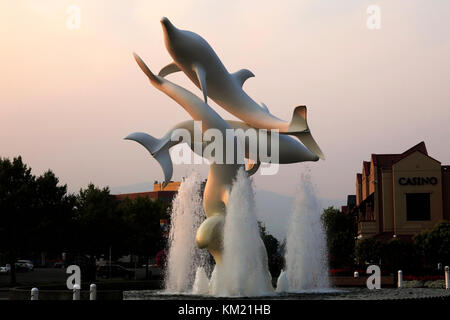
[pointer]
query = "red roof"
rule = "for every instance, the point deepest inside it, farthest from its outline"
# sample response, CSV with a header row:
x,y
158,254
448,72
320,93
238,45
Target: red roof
x,y
387,160
162,195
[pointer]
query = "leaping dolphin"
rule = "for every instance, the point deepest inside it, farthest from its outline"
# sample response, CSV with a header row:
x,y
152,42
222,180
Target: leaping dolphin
x,y
197,59
220,177
290,149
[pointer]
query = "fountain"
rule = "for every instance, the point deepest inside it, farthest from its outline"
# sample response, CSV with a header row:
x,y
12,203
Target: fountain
x,y
183,256
230,231
306,252
223,223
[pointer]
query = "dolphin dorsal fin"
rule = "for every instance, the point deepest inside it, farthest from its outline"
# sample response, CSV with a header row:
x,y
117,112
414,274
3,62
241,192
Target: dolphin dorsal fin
x,y
263,105
169,69
201,76
242,75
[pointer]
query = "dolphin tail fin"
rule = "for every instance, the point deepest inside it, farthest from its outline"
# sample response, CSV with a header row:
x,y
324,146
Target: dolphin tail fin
x,y
299,128
146,69
158,149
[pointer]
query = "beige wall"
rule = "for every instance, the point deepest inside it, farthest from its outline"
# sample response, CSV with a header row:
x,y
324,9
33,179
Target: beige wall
x,y
388,199
416,165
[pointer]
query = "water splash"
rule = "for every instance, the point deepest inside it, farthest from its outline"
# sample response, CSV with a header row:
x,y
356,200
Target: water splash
x,y
244,270
282,282
183,255
201,283
306,251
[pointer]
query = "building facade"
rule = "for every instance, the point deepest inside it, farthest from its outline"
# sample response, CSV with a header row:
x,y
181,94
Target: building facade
x,y
399,195
165,194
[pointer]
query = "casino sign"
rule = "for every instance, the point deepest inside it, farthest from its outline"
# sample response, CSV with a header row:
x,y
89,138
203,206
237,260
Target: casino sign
x,y
417,181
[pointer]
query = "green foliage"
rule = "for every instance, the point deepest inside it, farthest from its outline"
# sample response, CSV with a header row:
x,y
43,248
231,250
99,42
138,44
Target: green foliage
x,y
38,215
271,243
98,222
368,251
142,220
17,186
341,231
397,254
34,212
434,244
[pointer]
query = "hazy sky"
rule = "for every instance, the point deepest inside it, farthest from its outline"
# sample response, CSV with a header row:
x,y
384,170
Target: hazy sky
x,y
69,97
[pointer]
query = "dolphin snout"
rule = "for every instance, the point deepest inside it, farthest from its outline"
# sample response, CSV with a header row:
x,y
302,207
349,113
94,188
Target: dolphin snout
x,y
167,25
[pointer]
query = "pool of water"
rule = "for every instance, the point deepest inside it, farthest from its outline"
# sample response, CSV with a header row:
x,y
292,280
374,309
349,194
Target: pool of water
x,y
329,294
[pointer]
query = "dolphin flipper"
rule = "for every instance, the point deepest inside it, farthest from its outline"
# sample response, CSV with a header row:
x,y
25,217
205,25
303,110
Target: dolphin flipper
x,y
158,149
169,69
299,128
201,76
242,75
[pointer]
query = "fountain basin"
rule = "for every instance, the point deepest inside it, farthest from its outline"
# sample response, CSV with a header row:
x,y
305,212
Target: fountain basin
x,y
326,294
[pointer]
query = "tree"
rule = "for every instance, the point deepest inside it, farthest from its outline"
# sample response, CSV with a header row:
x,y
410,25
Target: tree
x,y
341,231
99,223
142,219
17,189
53,215
35,213
434,245
399,255
368,251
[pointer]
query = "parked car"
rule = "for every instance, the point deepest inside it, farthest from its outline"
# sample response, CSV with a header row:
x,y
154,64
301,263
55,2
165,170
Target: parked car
x,y
24,265
116,272
5,269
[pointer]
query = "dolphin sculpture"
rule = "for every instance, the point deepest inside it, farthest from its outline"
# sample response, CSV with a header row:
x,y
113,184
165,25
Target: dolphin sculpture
x,y
220,177
197,59
290,149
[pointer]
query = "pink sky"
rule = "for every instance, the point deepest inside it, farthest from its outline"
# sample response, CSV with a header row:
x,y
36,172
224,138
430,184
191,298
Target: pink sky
x,y
69,97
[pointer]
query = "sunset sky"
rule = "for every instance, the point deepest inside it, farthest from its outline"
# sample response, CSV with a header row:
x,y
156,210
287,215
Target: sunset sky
x,y
68,97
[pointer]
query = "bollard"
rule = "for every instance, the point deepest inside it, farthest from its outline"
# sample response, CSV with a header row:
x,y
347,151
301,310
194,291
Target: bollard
x,y
35,294
356,275
93,292
446,278
400,279
76,292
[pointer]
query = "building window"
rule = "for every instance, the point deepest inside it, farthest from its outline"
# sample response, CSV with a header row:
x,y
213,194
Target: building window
x,y
417,206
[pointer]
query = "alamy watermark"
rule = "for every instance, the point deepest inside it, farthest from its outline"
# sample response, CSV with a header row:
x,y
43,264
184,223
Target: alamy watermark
x,y
374,18
73,21
230,147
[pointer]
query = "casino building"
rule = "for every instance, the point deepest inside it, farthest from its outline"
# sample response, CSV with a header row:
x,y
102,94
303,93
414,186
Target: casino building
x,y
399,195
